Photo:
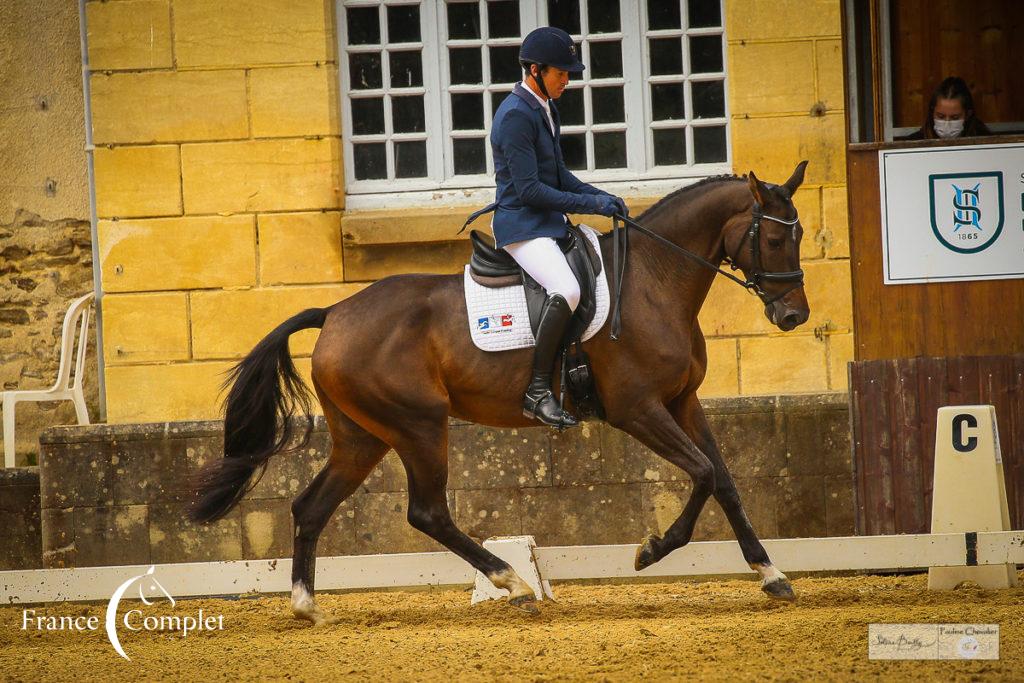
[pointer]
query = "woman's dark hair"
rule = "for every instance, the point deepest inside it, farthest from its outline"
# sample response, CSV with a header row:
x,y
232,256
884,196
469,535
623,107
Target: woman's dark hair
x,y
954,88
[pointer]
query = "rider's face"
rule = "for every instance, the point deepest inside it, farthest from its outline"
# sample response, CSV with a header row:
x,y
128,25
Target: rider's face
x,y
555,81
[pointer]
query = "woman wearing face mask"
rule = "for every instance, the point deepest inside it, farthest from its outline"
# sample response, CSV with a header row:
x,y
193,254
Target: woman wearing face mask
x,y
950,114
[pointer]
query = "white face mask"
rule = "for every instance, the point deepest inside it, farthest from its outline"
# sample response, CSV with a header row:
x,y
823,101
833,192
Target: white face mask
x,y
948,129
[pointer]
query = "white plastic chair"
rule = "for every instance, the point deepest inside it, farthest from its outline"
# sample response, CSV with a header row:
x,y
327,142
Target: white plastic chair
x,y
62,390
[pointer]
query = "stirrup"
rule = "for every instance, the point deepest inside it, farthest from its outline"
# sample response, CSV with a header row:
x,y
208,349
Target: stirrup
x,y
564,421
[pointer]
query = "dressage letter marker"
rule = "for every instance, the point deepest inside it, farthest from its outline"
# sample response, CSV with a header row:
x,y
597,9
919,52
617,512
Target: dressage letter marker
x,y
969,493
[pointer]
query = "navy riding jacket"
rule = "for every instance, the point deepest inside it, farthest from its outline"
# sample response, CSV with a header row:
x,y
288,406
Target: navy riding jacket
x,y
534,188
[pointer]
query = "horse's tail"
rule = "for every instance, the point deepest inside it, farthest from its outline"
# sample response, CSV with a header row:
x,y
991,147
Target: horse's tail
x,y
265,392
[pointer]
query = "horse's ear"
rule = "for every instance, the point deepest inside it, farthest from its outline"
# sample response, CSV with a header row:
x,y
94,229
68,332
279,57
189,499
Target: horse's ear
x,y
796,179
757,188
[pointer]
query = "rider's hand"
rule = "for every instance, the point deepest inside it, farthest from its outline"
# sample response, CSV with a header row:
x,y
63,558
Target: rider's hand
x,y
607,205
621,207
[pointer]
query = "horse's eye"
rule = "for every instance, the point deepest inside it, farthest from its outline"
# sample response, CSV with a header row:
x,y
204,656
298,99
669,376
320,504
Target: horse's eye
x,y
775,243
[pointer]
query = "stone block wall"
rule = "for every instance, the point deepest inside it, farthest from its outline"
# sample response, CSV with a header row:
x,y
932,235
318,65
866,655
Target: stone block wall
x,y
20,527
117,495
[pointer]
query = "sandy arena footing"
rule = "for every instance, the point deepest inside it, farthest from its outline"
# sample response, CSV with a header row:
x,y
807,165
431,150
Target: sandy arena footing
x,y
719,630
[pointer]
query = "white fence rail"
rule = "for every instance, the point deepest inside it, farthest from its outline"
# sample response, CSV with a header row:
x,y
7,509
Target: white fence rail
x,y
856,553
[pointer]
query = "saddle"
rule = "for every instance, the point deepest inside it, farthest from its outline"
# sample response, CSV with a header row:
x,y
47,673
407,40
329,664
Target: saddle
x,y
494,268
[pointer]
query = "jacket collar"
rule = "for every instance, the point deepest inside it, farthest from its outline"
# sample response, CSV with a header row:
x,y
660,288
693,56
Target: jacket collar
x,y
526,95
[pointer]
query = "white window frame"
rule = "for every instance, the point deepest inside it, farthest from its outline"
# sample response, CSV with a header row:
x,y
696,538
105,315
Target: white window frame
x,y
639,178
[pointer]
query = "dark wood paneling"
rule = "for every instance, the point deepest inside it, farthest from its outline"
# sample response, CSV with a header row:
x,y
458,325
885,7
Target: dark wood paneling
x,y
893,410
936,319
978,40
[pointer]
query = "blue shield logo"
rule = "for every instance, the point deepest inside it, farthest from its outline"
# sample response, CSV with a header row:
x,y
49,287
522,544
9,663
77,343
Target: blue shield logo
x,y
966,209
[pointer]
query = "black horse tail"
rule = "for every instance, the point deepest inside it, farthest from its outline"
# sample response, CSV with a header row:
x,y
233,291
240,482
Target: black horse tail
x,y
265,392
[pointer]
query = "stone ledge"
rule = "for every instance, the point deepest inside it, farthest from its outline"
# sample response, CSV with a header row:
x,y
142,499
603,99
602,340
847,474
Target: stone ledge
x,y
134,431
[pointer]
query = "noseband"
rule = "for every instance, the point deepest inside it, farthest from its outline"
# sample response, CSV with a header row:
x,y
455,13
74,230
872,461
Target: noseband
x,y
758,275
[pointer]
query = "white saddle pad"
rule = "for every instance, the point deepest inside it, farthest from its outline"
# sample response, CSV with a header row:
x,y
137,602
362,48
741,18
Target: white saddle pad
x,y
499,321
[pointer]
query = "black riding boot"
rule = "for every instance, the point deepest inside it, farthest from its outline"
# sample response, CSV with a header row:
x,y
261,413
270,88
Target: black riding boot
x,y
540,402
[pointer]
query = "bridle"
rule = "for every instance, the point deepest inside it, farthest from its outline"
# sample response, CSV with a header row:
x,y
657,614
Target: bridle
x,y
758,275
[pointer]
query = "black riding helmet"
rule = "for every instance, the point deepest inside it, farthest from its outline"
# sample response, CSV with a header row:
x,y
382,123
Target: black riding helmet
x,y
550,46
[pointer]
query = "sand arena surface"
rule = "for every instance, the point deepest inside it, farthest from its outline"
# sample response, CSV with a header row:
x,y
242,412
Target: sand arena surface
x,y
720,630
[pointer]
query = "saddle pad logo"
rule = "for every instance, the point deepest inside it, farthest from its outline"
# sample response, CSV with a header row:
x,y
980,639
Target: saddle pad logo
x,y
966,209
495,323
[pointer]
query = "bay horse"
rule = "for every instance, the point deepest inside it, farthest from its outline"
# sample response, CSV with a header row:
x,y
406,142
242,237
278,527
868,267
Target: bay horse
x,y
394,362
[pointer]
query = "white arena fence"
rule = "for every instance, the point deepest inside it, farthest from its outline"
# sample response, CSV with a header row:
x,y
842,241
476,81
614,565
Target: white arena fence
x,y
863,554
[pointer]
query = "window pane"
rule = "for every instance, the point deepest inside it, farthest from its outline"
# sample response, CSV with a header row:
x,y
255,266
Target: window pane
x,y
368,116
705,54
670,147
406,69
505,65
469,156
465,65
411,159
666,56
407,114
403,24
468,111
364,71
603,16
503,19
709,144
463,20
574,151
363,26
667,101
704,13
570,107
370,161
609,150
708,99
565,14
496,99
609,105
606,60
662,14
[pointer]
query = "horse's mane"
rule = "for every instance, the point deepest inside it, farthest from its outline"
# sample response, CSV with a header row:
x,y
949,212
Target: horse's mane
x,y
686,189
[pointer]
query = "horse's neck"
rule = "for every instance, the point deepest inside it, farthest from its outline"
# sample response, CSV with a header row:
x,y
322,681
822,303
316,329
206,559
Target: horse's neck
x,y
696,225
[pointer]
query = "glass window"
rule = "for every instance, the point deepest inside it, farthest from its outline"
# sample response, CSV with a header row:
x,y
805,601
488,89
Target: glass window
x,y
422,81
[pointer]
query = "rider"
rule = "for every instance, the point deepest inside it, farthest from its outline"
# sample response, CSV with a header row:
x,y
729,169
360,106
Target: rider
x,y
534,192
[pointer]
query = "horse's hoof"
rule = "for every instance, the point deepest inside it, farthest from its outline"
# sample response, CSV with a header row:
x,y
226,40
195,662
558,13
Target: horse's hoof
x,y
780,589
645,556
526,603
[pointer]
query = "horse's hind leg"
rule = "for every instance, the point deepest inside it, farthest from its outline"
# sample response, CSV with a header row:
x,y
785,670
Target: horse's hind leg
x,y
692,419
354,455
425,456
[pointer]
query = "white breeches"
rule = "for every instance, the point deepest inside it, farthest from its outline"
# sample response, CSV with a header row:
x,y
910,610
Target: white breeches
x,y
545,262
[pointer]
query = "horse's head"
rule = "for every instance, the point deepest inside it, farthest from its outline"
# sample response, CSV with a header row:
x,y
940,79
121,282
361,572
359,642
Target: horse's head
x,y
151,590
764,242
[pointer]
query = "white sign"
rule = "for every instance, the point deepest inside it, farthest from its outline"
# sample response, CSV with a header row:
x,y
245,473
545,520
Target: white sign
x,y
952,213
933,641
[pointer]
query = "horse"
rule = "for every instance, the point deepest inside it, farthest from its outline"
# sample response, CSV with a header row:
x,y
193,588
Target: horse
x,y
386,386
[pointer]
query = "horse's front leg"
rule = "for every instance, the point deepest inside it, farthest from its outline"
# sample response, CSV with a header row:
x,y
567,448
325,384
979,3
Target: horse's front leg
x,y
655,427
690,416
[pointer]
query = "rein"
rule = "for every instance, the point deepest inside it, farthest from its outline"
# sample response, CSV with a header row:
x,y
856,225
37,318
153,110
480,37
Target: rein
x,y
622,224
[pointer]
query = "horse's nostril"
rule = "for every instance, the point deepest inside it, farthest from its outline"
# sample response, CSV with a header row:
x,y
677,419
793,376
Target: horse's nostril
x,y
791,319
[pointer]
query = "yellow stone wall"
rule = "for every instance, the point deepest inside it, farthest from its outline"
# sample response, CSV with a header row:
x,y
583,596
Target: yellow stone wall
x,y
219,190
